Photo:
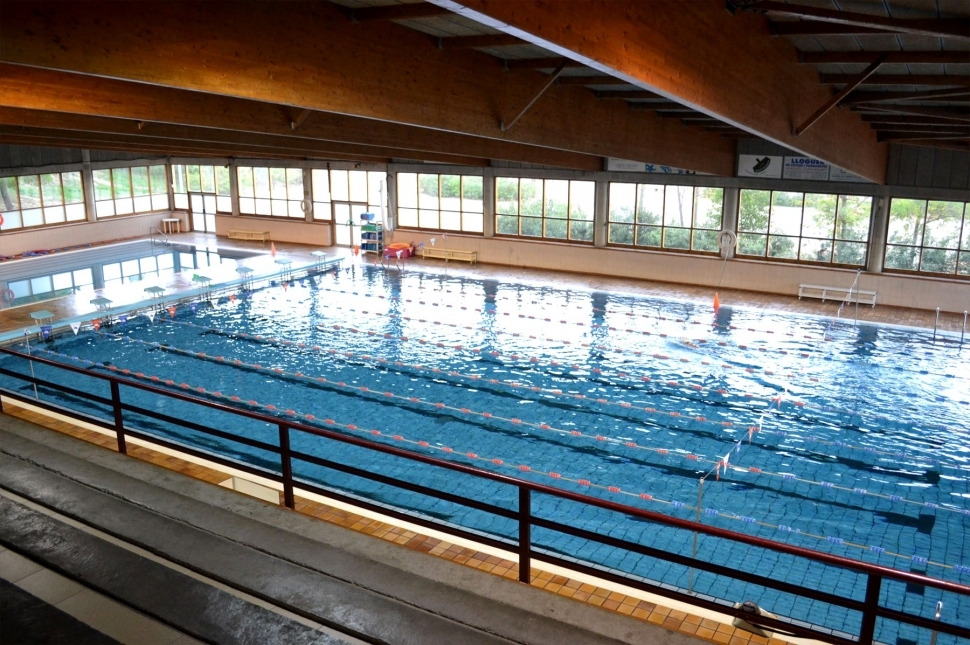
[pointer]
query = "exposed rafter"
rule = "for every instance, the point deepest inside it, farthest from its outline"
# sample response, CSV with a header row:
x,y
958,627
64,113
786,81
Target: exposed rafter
x,y
539,63
901,136
632,94
897,57
899,79
812,28
397,12
936,27
832,102
958,94
939,113
591,80
471,42
904,118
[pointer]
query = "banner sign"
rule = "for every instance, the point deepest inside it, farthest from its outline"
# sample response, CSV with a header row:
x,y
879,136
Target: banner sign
x,y
806,168
760,166
838,174
625,165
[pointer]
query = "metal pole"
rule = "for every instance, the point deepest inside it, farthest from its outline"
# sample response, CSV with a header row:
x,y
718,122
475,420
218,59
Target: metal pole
x,y
27,340
119,421
287,468
869,613
937,322
939,609
525,535
693,553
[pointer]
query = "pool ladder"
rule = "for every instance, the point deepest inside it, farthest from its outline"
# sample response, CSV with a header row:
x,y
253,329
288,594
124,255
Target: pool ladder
x,y
152,230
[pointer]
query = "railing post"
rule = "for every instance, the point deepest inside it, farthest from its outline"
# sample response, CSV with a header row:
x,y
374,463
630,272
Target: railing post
x,y
869,613
287,470
119,421
525,535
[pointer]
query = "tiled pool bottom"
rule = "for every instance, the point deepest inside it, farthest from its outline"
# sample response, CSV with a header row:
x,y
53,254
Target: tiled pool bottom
x,y
714,628
802,443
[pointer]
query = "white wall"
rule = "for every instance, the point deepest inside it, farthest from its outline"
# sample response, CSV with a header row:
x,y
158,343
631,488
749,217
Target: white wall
x,y
56,237
751,275
280,230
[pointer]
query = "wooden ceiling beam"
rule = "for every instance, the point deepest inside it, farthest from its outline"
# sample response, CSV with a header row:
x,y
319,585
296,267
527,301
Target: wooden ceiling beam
x,y
539,63
631,94
397,12
696,54
904,118
903,136
50,91
866,57
591,80
813,28
959,94
190,135
483,41
899,79
939,113
935,27
311,57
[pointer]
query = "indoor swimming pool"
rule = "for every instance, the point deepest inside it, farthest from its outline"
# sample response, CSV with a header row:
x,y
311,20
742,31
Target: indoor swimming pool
x,y
839,437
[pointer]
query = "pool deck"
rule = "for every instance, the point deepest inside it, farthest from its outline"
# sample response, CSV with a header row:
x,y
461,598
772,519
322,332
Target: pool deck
x,y
670,616
130,294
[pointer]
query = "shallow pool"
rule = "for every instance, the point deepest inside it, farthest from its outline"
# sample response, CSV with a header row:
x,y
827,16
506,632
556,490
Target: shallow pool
x,y
845,438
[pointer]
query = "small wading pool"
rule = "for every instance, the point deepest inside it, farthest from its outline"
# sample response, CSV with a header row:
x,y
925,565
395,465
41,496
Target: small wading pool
x,y
60,274
844,438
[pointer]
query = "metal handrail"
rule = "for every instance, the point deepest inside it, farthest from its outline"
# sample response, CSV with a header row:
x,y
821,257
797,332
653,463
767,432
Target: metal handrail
x,y
869,607
151,234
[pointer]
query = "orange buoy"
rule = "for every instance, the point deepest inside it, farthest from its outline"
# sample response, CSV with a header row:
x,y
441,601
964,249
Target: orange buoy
x,y
717,302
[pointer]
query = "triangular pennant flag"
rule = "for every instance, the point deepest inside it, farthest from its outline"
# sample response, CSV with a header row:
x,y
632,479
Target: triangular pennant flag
x,y
151,315
432,241
272,249
398,255
75,327
123,319
96,324
171,312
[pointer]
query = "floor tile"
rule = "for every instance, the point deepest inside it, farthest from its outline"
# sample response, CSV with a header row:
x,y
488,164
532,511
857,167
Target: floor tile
x,y
14,567
116,620
49,586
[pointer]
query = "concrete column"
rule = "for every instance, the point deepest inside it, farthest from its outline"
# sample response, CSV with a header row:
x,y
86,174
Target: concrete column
x,y
234,188
87,182
308,192
730,217
877,234
169,181
601,213
390,218
488,203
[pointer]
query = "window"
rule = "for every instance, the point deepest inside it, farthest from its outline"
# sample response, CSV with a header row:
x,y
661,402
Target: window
x,y
276,192
440,202
41,200
807,227
122,191
928,236
551,208
354,186
669,217
209,180
51,286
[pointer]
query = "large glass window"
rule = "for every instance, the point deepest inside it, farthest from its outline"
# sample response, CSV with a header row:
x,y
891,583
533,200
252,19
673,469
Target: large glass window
x,y
349,186
556,209
807,227
668,217
210,180
928,236
41,200
122,191
276,192
440,202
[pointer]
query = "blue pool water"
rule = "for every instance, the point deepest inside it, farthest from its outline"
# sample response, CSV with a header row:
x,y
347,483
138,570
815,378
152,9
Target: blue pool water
x,y
844,438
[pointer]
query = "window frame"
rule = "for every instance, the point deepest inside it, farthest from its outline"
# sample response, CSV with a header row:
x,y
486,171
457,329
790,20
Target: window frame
x,y
46,207
692,230
543,217
463,214
801,237
962,254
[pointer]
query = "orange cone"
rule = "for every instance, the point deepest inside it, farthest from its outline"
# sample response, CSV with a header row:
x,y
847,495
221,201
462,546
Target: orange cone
x,y
717,302
272,249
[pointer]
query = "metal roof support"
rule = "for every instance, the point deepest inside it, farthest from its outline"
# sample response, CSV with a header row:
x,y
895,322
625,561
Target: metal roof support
x,y
937,27
552,79
832,102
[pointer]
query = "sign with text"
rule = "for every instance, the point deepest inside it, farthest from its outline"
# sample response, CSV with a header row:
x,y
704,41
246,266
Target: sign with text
x,y
625,165
760,166
806,168
839,174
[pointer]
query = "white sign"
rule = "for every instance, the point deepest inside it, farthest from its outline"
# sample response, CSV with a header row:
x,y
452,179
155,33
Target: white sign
x,y
760,166
806,168
625,165
838,174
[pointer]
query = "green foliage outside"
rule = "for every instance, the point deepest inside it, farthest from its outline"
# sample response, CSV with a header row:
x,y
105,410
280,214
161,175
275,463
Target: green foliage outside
x,y
935,226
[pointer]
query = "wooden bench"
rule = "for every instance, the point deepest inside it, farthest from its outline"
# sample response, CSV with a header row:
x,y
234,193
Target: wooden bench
x,y
262,236
450,254
833,293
